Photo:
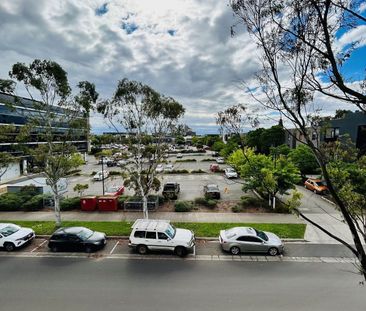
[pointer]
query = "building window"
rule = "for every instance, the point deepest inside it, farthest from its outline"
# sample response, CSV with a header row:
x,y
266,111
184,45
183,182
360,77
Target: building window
x,y
332,133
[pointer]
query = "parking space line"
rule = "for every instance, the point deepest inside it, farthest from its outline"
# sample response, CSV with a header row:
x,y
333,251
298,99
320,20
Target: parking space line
x,y
39,246
114,247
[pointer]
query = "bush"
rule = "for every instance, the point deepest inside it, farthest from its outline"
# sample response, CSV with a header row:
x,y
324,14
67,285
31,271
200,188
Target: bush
x,y
74,172
177,172
10,202
208,160
186,160
237,209
250,202
111,173
93,173
34,204
182,206
70,204
197,171
210,203
121,200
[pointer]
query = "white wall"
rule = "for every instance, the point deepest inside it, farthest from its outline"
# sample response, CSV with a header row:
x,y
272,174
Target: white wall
x,y
12,172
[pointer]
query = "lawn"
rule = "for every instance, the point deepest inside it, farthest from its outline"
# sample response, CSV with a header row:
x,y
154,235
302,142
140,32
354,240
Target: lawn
x,y
294,231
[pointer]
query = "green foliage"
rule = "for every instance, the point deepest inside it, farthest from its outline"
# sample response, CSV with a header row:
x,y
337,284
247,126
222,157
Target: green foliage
x,y
5,160
218,146
207,202
28,199
80,188
69,204
10,202
34,204
263,139
305,160
179,140
199,171
183,206
177,172
186,160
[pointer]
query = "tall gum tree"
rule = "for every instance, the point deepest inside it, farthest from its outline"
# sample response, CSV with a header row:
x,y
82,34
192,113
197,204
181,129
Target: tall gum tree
x,y
300,57
147,117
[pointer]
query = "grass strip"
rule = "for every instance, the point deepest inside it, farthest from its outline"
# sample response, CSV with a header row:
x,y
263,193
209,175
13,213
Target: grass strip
x,y
294,231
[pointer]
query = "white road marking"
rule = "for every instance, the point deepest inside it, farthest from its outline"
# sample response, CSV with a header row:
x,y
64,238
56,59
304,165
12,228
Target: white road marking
x,y
39,246
114,247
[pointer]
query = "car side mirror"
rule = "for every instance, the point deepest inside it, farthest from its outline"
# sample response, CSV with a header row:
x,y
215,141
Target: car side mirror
x,y
168,239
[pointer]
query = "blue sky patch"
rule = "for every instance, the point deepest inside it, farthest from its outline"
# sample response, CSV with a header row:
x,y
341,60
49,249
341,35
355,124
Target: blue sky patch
x,y
129,27
103,9
172,32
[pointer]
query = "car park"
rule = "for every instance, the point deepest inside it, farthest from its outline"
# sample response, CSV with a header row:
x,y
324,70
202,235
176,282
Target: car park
x,y
13,236
214,167
316,185
99,176
76,239
230,173
160,235
220,160
212,191
249,240
115,190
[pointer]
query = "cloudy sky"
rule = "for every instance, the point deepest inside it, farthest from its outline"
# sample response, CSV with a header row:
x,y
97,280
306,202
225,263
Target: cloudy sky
x,y
182,48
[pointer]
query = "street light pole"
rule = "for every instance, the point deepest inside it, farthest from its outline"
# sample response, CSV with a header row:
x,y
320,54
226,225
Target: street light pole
x,y
103,173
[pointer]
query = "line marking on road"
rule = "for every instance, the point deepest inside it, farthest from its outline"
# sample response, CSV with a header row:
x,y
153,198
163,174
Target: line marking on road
x,y
39,246
114,247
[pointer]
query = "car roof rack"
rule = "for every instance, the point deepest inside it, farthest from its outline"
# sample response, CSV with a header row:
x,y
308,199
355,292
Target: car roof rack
x,y
149,224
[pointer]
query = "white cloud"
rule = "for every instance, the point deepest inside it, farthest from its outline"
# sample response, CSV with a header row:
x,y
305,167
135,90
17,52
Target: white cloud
x,y
357,34
200,65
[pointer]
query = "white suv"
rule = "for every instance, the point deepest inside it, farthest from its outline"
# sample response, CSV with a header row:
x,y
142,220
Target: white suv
x,y
152,234
13,236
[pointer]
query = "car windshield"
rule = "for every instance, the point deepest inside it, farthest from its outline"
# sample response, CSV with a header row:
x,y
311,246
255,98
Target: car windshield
x,y
261,235
170,231
230,233
85,234
320,183
9,230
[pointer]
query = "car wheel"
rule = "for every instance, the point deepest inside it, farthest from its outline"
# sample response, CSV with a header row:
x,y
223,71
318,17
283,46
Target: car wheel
x,y
54,248
316,192
273,251
180,251
89,248
9,246
142,249
235,250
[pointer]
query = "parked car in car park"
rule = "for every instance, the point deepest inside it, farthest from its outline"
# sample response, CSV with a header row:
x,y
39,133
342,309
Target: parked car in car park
x,y
230,173
171,190
214,167
99,176
152,234
179,155
249,240
220,160
169,167
111,163
103,160
159,168
316,185
13,236
76,239
115,190
212,191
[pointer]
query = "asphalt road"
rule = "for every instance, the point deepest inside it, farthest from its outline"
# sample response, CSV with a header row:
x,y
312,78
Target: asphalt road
x,y
95,284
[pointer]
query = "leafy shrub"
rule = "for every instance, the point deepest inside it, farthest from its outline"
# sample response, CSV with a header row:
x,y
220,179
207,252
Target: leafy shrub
x,y
237,209
186,160
10,202
177,172
73,172
69,204
182,206
197,171
114,173
210,203
34,204
93,173
208,160
250,202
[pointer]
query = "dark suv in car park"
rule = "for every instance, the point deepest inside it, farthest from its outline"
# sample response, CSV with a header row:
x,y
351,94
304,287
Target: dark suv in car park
x,y
212,191
77,238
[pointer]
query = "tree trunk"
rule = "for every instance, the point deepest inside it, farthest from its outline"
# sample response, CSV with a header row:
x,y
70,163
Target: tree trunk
x,y
56,199
144,207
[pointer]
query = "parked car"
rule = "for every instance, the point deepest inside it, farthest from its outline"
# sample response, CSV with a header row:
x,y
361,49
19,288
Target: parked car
x,y
220,160
159,168
103,160
249,240
151,234
214,167
169,167
99,176
76,239
179,155
171,190
111,163
115,190
122,162
215,154
13,236
316,185
212,191
230,173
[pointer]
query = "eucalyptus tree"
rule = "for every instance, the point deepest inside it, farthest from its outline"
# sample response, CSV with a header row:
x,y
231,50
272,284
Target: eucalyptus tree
x,y
52,119
300,56
148,118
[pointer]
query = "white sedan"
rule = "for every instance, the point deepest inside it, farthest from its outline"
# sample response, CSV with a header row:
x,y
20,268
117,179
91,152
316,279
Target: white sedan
x,y
220,160
13,236
159,168
230,173
100,175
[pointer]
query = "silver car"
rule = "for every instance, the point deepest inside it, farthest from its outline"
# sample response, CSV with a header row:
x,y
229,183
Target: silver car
x,y
250,240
